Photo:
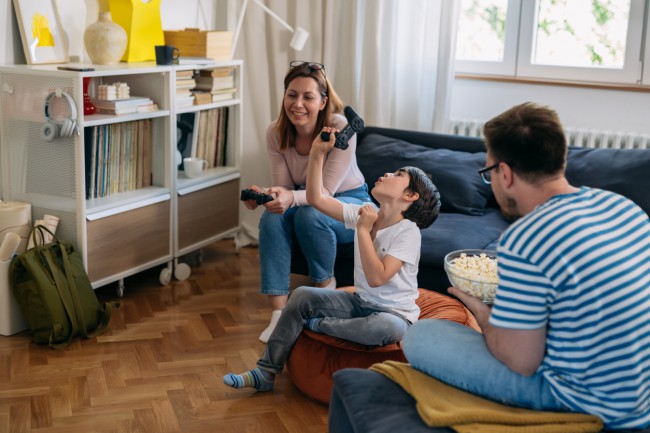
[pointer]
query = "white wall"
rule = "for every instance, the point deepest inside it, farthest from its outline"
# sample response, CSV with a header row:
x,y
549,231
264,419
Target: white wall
x,y
76,15
577,107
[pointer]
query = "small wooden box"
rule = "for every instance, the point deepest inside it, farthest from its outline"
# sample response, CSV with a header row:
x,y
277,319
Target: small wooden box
x,y
199,43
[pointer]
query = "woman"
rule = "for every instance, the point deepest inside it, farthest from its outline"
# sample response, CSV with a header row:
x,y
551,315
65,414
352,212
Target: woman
x,y
309,104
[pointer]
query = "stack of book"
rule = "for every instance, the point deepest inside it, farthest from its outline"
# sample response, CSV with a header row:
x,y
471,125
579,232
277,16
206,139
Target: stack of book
x,y
184,84
134,104
118,157
219,82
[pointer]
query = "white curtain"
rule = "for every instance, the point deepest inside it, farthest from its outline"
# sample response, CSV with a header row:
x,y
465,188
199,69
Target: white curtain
x,y
392,60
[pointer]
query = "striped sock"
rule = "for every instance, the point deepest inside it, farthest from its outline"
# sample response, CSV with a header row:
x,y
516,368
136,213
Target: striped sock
x,y
257,378
313,323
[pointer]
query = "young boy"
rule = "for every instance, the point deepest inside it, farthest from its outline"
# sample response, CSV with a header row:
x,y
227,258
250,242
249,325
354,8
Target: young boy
x,y
386,256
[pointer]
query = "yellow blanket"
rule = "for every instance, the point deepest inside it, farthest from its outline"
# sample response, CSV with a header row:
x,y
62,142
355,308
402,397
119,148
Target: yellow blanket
x,y
441,405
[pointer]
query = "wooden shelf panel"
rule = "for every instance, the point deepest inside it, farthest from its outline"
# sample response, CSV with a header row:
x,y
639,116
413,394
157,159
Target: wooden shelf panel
x,y
127,240
207,212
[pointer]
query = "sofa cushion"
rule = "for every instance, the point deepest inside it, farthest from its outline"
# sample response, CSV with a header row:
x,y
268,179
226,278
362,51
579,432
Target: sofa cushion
x,y
453,232
367,401
623,171
454,173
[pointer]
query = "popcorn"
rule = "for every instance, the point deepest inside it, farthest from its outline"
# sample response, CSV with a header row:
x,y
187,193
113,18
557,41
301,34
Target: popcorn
x,y
474,274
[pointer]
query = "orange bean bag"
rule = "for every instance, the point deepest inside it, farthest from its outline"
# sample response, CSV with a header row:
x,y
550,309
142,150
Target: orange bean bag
x,y
315,357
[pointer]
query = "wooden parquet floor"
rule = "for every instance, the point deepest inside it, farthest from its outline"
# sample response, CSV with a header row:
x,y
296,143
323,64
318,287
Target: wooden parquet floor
x,y
158,368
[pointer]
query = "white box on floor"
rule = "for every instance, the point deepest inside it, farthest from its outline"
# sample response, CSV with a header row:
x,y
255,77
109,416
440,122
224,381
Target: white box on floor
x,y
11,319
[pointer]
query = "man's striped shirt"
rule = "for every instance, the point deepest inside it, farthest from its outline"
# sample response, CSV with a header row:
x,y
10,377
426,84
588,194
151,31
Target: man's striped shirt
x,y
580,265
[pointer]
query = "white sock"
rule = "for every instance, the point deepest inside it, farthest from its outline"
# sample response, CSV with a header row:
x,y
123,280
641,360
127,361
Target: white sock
x,y
275,316
332,284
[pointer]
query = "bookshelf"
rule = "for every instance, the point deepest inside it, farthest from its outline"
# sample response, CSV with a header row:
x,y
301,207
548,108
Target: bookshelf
x,y
207,207
131,209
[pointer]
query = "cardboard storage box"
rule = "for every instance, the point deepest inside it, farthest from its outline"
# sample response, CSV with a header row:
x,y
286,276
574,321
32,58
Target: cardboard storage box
x,y
199,43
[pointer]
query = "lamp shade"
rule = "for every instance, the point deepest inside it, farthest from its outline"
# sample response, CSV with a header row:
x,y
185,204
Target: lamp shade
x,y
299,38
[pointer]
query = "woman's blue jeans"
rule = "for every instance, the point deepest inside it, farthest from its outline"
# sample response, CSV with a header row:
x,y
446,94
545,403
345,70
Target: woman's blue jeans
x,y
345,315
317,235
457,355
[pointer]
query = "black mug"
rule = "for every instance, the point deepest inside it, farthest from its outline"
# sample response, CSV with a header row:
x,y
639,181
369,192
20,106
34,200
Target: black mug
x,y
167,54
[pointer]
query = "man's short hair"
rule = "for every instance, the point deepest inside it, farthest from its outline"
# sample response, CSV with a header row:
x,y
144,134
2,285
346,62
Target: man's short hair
x,y
424,211
530,139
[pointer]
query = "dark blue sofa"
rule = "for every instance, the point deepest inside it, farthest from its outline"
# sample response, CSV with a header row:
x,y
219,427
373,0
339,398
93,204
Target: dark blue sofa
x,y
469,215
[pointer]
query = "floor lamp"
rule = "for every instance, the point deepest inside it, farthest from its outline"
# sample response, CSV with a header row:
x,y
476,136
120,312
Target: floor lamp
x,y
298,40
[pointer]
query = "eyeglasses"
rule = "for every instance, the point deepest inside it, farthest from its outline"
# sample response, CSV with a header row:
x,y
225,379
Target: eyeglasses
x,y
309,66
485,173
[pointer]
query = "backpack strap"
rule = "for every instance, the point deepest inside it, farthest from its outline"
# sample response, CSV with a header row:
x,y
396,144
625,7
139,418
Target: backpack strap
x,y
105,314
68,308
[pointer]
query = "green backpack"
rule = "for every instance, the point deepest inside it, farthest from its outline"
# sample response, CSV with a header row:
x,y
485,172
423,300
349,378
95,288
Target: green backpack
x,y
54,293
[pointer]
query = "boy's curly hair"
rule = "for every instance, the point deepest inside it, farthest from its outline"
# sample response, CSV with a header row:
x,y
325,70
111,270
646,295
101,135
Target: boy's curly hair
x,y
424,211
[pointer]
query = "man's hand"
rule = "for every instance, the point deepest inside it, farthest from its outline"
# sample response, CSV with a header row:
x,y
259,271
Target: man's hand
x,y
367,217
283,199
479,309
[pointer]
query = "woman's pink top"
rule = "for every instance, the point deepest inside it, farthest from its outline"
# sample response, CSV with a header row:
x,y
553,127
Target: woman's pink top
x,y
288,168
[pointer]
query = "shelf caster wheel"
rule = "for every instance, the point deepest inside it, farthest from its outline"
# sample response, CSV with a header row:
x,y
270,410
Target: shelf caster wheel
x,y
182,271
120,289
165,276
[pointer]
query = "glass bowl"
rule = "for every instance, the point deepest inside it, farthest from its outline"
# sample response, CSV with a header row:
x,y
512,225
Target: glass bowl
x,y
474,272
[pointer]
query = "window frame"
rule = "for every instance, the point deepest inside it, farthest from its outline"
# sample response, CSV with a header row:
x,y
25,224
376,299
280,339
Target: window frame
x,y
508,65
517,63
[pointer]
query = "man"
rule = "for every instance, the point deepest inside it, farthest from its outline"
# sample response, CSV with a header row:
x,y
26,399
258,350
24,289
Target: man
x,y
570,327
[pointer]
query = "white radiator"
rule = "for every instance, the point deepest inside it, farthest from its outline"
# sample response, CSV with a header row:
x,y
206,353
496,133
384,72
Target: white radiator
x,y
578,137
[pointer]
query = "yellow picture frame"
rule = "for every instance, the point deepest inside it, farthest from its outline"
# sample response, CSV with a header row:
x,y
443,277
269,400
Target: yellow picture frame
x,y
41,32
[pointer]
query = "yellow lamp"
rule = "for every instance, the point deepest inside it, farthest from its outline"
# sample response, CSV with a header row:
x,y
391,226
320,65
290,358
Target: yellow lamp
x,y
141,20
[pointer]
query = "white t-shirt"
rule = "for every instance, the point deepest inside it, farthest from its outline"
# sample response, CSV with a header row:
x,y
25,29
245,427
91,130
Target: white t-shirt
x,y
402,241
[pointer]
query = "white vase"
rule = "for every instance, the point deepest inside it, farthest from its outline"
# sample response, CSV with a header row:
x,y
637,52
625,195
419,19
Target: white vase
x,y
105,40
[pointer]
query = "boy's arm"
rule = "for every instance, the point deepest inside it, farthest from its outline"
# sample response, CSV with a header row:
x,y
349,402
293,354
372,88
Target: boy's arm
x,y
324,203
377,271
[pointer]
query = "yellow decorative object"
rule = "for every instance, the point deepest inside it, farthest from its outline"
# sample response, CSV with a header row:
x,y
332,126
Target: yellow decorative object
x,y
141,20
41,31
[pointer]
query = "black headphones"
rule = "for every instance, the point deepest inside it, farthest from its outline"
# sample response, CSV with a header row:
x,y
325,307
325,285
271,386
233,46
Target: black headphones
x,y
68,125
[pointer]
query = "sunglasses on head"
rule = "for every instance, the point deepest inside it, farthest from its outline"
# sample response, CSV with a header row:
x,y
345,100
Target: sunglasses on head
x,y
309,66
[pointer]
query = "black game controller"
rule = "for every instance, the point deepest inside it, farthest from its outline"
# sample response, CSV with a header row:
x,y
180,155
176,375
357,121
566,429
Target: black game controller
x,y
355,124
259,197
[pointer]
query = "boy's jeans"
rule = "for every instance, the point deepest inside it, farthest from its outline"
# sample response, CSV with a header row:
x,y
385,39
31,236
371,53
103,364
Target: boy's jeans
x,y
345,315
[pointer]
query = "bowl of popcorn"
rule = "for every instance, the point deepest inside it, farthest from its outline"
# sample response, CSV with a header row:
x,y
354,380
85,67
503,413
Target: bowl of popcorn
x,y
474,272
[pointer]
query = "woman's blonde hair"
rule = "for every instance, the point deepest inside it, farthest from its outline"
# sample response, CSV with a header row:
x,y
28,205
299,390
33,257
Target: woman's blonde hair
x,y
285,131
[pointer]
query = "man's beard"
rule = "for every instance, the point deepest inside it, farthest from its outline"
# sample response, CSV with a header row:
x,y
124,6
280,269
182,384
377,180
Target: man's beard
x,y
510,211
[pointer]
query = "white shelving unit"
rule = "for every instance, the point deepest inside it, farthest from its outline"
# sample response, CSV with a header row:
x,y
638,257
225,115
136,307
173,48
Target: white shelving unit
x,y
122,233
207,208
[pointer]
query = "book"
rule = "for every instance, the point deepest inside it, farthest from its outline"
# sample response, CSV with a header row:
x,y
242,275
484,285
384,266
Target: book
x,y
147,108
115,103
187,60
201,98
117,111
215,83
185,74
217,72
223,95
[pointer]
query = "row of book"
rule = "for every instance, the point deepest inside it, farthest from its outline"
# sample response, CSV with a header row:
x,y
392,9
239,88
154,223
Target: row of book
x,y
209,137
118,158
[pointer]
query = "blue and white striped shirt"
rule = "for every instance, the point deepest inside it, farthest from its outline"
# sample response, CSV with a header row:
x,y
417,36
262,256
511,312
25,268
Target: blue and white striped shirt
x,y
580,265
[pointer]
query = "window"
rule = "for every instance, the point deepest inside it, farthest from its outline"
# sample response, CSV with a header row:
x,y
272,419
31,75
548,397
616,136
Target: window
x,y
581,40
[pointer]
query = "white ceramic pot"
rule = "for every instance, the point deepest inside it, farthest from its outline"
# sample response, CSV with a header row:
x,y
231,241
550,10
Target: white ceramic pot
x,y
105,40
